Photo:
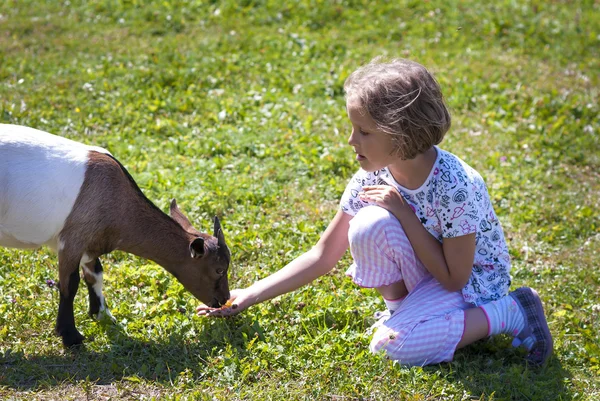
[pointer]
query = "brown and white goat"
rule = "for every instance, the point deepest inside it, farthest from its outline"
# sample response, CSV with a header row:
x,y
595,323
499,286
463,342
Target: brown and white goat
x,y
81,202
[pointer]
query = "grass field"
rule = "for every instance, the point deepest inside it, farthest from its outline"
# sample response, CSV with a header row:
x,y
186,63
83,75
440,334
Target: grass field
x,y
236,108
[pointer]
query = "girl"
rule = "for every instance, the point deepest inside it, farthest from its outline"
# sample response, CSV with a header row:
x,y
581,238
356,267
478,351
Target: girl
x,y
420,227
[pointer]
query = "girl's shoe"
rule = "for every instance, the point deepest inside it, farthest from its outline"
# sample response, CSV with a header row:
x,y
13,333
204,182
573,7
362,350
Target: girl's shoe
x,y
535,336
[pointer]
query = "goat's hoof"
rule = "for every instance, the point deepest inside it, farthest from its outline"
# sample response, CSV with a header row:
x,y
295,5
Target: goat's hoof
x,y
104,316
72,339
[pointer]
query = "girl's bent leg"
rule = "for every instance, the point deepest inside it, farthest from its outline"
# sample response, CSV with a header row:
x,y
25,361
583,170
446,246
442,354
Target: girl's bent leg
x,y
383,256
426,329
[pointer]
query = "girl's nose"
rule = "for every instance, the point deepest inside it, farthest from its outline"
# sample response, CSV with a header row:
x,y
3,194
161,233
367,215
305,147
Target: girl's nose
x,y
352,138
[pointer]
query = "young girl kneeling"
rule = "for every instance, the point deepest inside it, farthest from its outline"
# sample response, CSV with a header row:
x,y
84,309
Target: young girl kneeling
x,y
420,227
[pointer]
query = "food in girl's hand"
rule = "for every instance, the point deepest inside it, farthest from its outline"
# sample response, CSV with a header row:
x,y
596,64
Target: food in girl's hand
x,y
227,304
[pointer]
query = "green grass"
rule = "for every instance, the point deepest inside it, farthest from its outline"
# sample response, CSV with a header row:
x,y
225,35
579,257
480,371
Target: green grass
x,y
236,108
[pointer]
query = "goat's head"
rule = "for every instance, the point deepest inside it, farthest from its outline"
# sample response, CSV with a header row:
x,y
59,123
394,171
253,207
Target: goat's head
x,y
205,272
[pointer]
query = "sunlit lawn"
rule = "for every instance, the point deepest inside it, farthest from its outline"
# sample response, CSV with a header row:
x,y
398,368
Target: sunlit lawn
x,y
237,109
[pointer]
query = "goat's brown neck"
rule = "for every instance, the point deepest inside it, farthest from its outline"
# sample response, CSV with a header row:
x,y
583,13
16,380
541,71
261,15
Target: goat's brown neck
x,y
154,235
111,212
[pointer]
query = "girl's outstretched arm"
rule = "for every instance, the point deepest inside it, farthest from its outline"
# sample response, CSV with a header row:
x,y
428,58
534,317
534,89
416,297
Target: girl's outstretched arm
x,y
304,269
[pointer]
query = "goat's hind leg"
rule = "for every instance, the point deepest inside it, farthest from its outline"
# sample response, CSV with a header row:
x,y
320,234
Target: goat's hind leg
x,y
69,283
92,274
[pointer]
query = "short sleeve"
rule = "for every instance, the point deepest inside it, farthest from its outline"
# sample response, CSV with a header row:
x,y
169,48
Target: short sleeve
x,y
458,209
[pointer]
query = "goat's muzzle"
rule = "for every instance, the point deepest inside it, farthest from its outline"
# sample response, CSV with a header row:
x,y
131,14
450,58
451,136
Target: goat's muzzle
x,y
219,301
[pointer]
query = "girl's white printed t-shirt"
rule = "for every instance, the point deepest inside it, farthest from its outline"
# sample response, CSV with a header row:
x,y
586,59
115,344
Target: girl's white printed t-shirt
x,y
453,201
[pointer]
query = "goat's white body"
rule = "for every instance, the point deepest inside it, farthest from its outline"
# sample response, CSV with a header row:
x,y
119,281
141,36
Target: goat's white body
x,y
40,178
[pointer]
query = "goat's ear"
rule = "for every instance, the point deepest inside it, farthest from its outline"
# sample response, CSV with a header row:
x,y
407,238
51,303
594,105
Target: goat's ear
x,y
197,248
180,217
218,233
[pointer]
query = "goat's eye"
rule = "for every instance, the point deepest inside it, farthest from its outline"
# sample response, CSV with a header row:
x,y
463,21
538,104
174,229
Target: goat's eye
x,y
220,271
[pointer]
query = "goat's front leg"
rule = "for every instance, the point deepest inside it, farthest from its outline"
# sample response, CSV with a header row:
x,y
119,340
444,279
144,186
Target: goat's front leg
x,y
92,274
69,283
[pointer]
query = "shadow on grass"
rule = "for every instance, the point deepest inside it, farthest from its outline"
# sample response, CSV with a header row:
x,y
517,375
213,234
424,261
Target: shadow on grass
x,y
131,359
497,370
489,369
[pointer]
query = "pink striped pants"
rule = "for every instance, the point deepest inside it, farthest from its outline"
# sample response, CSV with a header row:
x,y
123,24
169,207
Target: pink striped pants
x,y
428,325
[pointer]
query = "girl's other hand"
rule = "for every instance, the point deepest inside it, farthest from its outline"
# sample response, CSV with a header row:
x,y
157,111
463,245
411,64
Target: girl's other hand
x,y
238,301
385,196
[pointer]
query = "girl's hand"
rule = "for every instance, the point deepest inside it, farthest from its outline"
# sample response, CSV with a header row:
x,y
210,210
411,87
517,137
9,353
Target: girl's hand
x,y
238,300
385,196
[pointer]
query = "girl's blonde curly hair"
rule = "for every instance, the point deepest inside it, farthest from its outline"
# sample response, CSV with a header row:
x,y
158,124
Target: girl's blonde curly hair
x,y
404,100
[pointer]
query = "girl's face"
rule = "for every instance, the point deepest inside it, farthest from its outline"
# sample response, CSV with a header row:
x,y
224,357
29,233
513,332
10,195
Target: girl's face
x,y
373,147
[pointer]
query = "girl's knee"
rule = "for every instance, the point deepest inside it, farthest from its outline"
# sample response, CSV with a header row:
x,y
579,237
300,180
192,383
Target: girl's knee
x,y
379,247
390,342
371,220
383,339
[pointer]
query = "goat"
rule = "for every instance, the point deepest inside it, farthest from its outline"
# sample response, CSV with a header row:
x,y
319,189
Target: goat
x,y
82,203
